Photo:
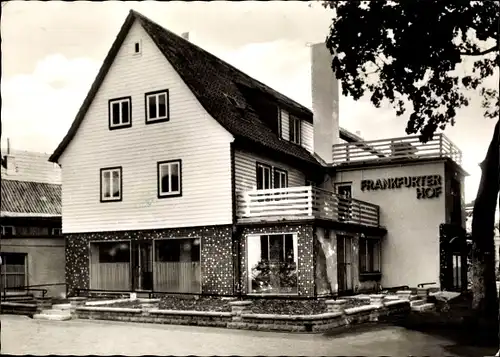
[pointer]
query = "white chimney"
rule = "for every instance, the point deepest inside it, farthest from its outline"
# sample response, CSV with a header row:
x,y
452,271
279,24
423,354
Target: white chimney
x,y
10,161
325,102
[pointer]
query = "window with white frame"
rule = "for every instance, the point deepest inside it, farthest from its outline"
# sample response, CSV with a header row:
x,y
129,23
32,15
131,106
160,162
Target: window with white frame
x,y
8,231
369,255
169,178
280,178
56,231
264,176
294,129
120,115
272,262
111,184
157,108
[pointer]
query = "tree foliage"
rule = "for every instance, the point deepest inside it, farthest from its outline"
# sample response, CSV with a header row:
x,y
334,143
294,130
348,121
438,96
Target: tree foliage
x,y
410,53
427,57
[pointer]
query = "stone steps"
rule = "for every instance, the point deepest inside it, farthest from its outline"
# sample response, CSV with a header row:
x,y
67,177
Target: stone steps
x,y
58,312
419,302
51,317
423,307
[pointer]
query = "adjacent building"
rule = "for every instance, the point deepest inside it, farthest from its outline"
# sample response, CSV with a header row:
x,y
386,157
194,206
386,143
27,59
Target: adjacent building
x,y
32,245
182,174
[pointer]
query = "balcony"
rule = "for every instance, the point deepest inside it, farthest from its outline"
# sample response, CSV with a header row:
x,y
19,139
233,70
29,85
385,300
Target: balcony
x,y
384,150
304,202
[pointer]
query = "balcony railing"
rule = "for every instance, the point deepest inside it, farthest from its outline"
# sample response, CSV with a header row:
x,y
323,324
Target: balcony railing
x,y
305,202
408,147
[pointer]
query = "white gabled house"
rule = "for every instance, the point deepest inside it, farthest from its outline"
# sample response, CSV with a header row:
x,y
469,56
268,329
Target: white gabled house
x,y
182,174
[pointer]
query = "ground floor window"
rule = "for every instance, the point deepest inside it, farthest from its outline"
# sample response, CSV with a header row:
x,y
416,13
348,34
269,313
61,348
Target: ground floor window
x,y
369,255
177,265
110,265
172,266
272,263
13,270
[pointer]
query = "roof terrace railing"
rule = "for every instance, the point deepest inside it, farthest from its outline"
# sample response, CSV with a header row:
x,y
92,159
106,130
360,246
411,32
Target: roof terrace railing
x,y
408,147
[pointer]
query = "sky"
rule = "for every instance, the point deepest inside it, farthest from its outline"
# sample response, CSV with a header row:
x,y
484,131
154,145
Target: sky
x,y
52,51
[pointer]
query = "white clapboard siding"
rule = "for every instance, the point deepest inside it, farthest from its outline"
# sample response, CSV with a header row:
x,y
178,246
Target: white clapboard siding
x,y
246,175
191,135
285,125
307,136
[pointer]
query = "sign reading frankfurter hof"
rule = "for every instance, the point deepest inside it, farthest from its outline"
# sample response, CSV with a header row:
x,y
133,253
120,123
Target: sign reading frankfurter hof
x,y
428,186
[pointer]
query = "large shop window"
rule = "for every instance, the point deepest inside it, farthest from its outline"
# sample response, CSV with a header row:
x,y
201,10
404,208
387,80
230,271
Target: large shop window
x,y
369,255
272,263
177,265
110,265
13,270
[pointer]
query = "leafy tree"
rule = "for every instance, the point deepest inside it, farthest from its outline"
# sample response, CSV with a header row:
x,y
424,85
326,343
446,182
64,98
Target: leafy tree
x,y
412,54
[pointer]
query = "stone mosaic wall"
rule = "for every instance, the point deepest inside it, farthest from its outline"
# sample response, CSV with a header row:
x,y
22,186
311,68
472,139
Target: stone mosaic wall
x,y
325,247
216,254
305,254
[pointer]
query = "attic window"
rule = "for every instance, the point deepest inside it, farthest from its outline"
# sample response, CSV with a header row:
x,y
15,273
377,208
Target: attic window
x,y
137,48
234,102
120,113
294,128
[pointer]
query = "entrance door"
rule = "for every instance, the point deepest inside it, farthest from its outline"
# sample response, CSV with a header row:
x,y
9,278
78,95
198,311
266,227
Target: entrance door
x,y
344,263
142,265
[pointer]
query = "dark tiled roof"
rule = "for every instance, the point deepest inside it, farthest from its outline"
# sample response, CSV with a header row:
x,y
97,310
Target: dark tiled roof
x,y
30,198
212,81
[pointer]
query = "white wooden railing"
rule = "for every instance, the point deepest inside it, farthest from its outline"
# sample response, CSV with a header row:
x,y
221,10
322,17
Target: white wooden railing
x,y
305,201
396,148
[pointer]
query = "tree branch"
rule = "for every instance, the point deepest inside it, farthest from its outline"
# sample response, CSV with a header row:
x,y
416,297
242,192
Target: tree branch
x,y
480,53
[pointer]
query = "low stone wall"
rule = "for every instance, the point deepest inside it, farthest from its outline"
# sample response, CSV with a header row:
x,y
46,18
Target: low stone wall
x,y
337,316
174,317
198,318
241,317
290,323
17,308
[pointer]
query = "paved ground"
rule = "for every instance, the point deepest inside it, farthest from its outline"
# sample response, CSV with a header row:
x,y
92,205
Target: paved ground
x,y
22,335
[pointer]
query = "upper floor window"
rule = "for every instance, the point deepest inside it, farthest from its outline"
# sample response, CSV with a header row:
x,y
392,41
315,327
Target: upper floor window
x,y
263,177
280,178
31,231
283,124
157,106
120,113
56,231
344,189
344,195
8,231
169,178
294,129
111,184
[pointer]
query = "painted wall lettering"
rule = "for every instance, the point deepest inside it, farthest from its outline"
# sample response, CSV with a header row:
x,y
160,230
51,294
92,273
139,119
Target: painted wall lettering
x,y
428,186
